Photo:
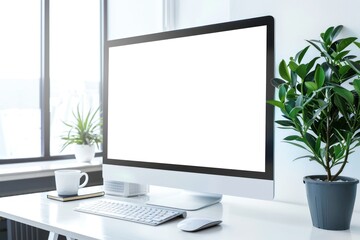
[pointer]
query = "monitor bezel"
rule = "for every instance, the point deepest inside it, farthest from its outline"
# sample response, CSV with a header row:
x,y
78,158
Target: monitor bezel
x,y
267,21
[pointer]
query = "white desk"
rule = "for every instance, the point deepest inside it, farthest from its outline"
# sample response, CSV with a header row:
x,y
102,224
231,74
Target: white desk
x,y
242,219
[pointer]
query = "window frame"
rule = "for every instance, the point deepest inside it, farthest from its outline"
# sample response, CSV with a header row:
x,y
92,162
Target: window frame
x,y
45,85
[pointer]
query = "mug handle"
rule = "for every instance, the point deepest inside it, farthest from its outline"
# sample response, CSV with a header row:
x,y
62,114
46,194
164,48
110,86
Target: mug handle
x,y
86,179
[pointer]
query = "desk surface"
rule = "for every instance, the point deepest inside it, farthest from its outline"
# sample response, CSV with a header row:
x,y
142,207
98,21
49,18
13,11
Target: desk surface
x,y
242,219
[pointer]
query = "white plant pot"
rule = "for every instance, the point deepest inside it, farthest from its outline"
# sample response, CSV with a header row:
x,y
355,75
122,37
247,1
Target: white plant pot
x,y
84,153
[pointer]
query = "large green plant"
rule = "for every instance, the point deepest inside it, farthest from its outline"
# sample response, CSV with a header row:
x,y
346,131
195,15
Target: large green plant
x,y
320,101
85,129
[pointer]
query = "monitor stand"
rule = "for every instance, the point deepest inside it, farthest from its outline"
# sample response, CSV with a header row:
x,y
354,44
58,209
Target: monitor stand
x,y
187,200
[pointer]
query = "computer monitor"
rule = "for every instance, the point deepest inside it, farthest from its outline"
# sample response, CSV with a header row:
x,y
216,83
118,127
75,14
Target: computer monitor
x,y
187,109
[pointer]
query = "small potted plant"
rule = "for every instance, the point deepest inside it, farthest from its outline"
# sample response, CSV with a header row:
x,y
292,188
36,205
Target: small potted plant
x,y
320,104
84,133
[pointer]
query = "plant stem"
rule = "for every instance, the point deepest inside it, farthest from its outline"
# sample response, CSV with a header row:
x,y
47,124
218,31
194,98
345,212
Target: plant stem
x,y
342,165
327,155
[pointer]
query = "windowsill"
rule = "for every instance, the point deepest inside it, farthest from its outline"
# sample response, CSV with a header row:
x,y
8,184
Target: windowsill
x,y
18,171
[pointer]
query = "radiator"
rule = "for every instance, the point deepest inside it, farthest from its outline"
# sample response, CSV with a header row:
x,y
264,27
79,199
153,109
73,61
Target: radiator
x,y
20,231
3,232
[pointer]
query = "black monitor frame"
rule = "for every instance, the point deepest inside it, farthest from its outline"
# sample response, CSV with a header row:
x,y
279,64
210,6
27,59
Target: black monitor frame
x,y
267,21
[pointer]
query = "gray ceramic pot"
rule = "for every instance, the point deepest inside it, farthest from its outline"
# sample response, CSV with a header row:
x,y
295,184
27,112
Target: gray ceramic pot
x,y
331,204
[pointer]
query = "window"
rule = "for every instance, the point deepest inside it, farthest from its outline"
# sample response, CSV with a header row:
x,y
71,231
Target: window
x,y
128,18
20,72
75,62
50,62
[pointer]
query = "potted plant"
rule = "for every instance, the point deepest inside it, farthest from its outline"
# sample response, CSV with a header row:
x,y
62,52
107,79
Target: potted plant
x,y
320,103
84,134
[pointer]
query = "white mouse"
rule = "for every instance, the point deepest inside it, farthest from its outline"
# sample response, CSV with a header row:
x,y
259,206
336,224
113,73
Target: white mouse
x,y
196,224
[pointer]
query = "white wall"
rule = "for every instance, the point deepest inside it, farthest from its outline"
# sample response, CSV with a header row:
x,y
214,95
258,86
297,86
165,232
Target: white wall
x,y
295,21
190,13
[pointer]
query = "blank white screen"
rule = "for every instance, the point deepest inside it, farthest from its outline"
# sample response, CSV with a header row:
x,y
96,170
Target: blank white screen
x,y
197,101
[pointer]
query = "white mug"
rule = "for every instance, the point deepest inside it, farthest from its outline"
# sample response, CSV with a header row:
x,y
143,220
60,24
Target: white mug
x,y
68,181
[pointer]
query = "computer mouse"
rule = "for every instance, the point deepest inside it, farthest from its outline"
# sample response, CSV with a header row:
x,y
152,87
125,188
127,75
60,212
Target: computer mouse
x,y
197,224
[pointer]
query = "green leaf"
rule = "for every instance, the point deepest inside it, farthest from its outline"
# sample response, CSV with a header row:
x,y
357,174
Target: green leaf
x,y
283,70
300,55
316,114
354,65
285,123
336,32
319,76
293,79
295,111
311,64
344,69
357,44
291,94
293,66
356,84
282,93
344,93
301,71
311,140
293,138
276,82
341,55
311,86
289,106
343,43
318,145
306,156
276,103
340,104
339,151
299,101
313,43
327,35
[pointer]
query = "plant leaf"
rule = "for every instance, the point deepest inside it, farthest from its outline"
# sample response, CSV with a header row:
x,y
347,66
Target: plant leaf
x,y
336,32
356,84
319,76
340,104
285,123
354,65
276,103
311,140
341,55
306,156
318,145
300,55
344,69
343,43
293,138
344,93
327,35
293,66
313,43
311,64
282,93
283,70
311,86
295,111
301,71
276,82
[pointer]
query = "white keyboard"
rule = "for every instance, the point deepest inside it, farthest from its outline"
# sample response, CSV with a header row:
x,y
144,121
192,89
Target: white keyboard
x,y
139,213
